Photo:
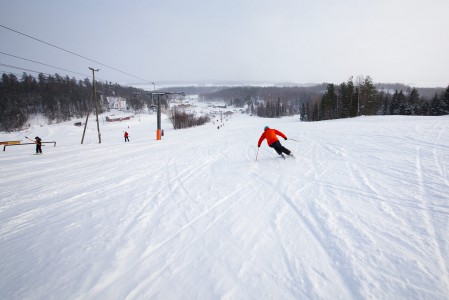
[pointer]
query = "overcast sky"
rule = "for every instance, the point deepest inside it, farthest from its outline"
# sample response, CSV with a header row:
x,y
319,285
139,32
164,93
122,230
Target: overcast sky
x,y
301,41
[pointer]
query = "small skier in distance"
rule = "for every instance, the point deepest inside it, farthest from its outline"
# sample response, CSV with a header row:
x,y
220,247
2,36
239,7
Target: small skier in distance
x,y
273,141
126,136
38,142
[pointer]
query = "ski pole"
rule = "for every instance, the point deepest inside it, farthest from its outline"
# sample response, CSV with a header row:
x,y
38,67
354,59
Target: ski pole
x,y
34,142
294,140
257,153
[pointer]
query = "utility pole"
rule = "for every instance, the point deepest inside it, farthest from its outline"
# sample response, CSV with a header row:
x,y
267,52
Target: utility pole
x,y
87,119
96,102
93,96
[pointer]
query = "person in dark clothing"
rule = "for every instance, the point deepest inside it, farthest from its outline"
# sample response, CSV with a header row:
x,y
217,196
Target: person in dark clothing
x,y
273,141
38,142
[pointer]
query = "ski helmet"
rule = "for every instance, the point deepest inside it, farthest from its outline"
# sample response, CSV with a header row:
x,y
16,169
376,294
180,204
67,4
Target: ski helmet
x,y
266,127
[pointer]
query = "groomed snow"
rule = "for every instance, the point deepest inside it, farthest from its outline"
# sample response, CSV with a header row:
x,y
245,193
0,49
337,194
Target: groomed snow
x,y
361,213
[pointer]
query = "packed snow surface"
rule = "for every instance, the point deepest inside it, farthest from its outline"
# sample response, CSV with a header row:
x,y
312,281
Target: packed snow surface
x,y
362,212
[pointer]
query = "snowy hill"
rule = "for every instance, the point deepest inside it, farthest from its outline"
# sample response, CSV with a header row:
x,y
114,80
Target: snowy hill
x,y
361,213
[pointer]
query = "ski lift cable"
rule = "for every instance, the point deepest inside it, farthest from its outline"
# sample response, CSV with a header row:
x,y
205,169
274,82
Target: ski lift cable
x,y
36,62
73,53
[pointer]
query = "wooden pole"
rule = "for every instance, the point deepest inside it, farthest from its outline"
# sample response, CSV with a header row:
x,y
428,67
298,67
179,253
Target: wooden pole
x,y
96,103
87,119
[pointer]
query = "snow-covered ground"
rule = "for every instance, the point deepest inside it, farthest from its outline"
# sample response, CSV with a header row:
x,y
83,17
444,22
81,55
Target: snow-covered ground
x,y
361,213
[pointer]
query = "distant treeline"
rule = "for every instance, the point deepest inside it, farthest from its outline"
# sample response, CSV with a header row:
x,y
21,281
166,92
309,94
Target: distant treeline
x,y
192,90
350,100
62,98
267,101
330,101
57,98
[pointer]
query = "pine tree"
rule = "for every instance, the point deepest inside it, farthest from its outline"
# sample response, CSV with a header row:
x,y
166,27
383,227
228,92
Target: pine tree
x,y
368,97
435,107
303,113
445,100
394,105
328,103
386,104
346,96
315,113
308,115
413,98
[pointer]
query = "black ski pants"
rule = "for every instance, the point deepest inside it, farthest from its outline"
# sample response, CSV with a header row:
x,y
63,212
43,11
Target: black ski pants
x,y
279,148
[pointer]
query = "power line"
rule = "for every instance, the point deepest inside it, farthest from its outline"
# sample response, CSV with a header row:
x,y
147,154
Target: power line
x,y
23,69
28,70
8,72
73,53
36,62
39,72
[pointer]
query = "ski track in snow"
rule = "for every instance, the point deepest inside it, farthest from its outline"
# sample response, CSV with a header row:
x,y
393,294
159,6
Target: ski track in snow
x,y
360,212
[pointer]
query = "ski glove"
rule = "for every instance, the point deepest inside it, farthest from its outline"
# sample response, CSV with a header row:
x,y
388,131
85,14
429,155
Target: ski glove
x,y
285,138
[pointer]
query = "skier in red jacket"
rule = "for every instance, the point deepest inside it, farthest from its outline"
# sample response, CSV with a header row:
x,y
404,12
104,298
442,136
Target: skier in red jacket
x,y
126,136
273,141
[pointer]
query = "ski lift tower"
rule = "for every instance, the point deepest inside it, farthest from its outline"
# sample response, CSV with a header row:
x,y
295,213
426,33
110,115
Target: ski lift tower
x,y
159,96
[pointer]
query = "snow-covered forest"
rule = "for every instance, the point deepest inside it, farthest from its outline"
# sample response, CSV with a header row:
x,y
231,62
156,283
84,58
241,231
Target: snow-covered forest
x,y
61,98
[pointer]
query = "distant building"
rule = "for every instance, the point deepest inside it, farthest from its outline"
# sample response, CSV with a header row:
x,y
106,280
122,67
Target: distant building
x,y
118,103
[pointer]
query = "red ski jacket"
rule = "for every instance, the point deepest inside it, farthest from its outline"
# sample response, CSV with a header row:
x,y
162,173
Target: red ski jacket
x,y
270,135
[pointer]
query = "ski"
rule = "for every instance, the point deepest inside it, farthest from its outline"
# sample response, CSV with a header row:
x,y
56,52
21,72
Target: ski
x,y
285,157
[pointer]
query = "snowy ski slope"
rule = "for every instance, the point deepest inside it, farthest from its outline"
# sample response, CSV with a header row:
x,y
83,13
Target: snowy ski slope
x,y
361,213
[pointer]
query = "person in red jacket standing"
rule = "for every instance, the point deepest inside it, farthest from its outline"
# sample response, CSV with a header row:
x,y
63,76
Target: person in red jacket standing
x,y
273,141
126,136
